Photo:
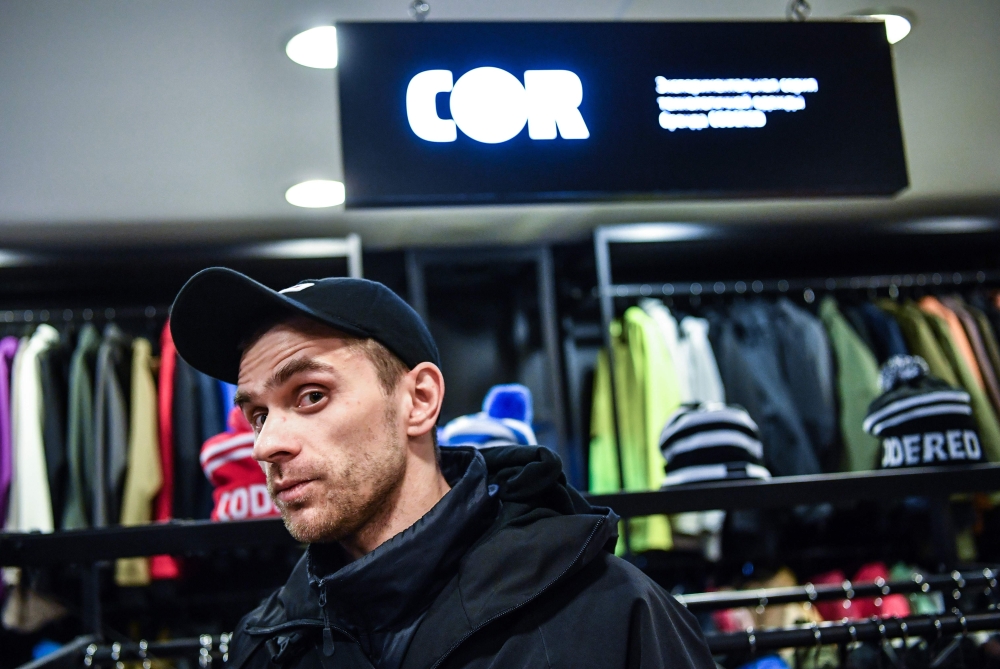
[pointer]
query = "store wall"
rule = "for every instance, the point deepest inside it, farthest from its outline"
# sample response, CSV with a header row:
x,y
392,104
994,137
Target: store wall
x,y
186,118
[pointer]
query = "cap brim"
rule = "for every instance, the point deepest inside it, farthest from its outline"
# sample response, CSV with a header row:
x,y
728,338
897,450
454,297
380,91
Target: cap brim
x,y
219,309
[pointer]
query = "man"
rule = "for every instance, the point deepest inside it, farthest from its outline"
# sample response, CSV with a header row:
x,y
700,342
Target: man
x,y
418,557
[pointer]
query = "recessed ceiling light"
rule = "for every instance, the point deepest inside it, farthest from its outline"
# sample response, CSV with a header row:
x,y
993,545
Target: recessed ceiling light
x,y
896,26
316,47
299,248
316,194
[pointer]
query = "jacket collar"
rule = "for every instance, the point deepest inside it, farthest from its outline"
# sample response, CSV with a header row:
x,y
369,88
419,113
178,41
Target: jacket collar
x,y
546,532
392,585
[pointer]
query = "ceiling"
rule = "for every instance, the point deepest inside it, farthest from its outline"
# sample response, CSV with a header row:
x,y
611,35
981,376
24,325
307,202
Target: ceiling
x,y
180,122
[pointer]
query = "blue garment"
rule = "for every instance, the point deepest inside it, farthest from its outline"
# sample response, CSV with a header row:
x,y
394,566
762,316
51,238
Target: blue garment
x,y
228,394
885,333
766,662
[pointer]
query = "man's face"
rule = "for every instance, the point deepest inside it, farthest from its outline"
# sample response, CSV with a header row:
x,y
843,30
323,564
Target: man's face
x,y
327,436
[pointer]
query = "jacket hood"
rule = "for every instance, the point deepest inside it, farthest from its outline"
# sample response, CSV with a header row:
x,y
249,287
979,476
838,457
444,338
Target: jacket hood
x,y
544,532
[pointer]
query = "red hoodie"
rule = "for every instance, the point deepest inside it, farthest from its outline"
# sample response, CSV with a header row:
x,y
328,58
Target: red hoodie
x,y
240,484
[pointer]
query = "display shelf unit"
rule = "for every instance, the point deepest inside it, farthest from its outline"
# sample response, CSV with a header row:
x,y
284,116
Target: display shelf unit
x,y
186,537
420,262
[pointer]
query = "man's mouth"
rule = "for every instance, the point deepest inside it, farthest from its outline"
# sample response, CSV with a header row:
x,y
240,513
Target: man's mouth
x,y
291,490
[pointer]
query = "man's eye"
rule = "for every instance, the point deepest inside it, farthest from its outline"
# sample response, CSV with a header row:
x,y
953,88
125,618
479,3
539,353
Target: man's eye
x,y
314,397
258,421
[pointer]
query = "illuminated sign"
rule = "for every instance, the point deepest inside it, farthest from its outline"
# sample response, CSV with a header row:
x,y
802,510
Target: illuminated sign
x,y
491,106
465,113
696,104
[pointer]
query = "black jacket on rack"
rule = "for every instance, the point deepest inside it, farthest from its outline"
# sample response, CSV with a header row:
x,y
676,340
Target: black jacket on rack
x,y
512,568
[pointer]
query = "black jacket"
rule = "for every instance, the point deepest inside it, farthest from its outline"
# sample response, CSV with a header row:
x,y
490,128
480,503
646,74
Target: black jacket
x,y
513,568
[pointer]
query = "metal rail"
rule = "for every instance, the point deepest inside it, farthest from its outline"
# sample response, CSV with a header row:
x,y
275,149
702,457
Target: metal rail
x,y
955,582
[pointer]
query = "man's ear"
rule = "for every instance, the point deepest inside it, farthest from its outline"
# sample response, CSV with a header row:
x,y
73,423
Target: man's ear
x,y
426,388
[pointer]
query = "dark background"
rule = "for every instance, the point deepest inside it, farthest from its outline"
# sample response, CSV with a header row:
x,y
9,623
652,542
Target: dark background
x,y
846,141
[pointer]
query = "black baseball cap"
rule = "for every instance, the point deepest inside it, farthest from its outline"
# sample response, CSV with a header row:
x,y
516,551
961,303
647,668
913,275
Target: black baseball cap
x,y
219,309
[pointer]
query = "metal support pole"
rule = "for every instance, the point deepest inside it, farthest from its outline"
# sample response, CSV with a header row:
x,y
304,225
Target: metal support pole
x,y
550,336
354,266
416,287
91,600
603,256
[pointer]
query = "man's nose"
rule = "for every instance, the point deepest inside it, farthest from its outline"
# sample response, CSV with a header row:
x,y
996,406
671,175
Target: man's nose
x,y
275,441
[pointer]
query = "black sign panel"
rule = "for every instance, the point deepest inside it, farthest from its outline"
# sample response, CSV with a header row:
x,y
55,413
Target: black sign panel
x,y
489,113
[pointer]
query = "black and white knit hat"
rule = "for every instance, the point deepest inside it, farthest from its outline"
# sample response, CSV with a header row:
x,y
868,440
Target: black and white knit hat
x,y
710,442
921,420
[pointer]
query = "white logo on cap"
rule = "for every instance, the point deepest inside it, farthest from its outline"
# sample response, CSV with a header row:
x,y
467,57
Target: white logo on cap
x,y
297,287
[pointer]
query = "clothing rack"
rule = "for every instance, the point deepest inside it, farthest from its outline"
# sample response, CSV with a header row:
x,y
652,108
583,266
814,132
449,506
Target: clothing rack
x,y
209,648
651,233
955,582
56,316
206,647
87,651
873,629
808,287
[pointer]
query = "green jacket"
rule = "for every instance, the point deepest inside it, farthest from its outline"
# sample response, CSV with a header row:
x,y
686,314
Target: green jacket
x,y
648,393
920,338
857,387
80,448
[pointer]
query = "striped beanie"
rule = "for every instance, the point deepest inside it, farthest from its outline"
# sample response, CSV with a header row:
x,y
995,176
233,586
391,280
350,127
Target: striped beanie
x,y
921,420
240,485
505,420
711,442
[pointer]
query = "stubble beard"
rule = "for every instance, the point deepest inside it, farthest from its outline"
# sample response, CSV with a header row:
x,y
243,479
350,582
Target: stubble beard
x,y
360,503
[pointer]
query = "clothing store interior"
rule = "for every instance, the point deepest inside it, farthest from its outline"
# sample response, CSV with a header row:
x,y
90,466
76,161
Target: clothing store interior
x,y
736,264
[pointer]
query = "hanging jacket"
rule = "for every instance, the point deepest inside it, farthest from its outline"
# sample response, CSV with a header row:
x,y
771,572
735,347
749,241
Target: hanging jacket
x,y
807,366
858,386
53,365
747,351
163,567
982,410
669,329
30,506
954,334
920,338
110,424
143,479
80,448
704,380
516,572
978,344
8,348
989,338
648,395
192,491
885,332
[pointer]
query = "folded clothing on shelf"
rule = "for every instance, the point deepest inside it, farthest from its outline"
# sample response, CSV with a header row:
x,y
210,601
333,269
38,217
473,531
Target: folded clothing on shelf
x,y
711,441
920,419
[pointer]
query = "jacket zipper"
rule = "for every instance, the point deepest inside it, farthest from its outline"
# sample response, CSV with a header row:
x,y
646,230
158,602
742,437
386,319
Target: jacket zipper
x,y
525,602
327,628
293,624
327,632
